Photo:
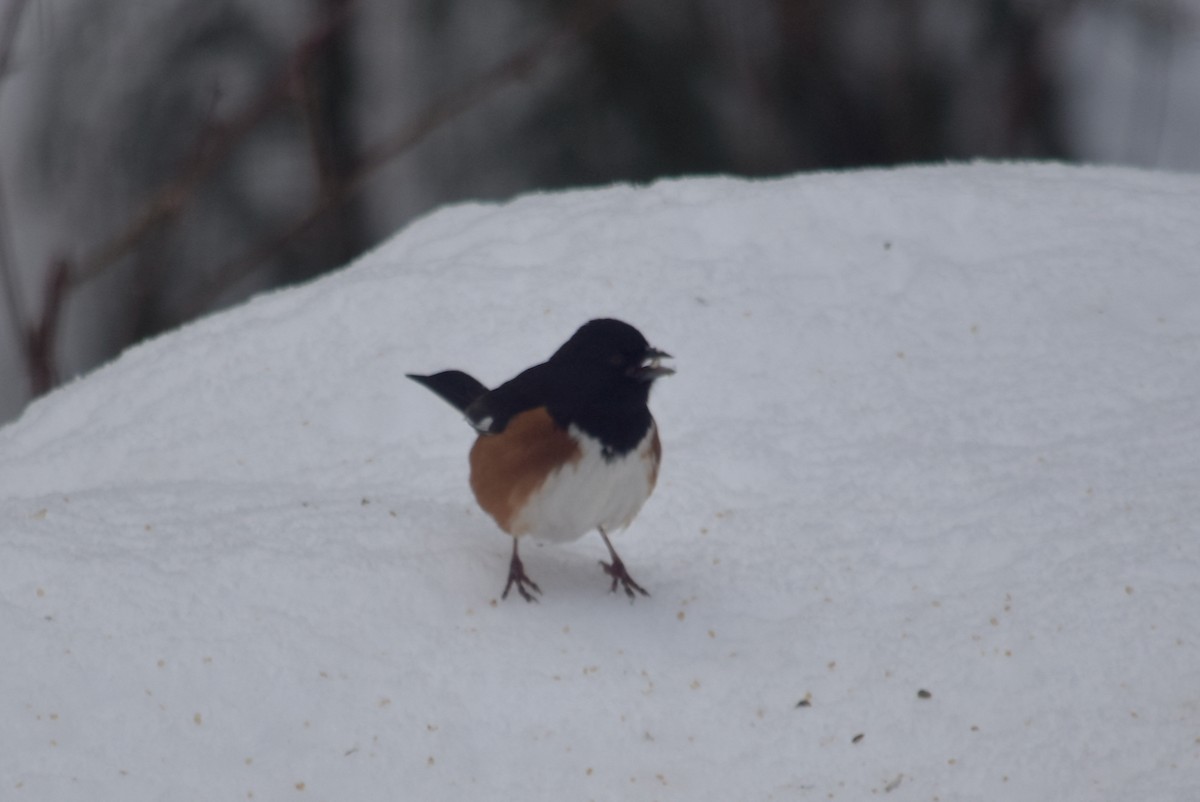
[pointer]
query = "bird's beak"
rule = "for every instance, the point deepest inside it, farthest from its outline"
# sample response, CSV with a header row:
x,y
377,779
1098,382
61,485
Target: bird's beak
x,y
651,367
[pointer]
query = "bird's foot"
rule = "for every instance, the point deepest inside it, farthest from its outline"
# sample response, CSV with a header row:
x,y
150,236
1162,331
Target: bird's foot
x,y
517,576
616,569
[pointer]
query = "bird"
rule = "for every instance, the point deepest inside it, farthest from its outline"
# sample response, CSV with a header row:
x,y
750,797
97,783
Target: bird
x,y
566,446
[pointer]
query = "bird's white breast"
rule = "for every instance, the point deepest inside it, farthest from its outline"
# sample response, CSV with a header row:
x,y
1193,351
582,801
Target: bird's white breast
x,y
591,492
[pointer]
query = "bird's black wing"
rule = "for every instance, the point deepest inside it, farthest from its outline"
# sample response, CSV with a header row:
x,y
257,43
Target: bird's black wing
x,y
491,412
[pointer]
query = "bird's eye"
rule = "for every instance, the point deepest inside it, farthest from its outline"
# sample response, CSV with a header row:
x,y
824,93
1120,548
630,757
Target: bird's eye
x,y
616,360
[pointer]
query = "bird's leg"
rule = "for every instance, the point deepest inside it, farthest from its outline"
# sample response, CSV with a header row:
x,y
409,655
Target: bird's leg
x,y
616,569
516,575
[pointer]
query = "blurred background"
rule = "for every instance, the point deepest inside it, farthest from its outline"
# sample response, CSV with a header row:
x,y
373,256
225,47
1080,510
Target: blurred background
x,y
162,159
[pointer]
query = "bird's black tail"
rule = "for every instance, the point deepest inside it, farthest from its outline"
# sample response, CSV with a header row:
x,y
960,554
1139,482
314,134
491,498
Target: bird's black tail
x,y
457,388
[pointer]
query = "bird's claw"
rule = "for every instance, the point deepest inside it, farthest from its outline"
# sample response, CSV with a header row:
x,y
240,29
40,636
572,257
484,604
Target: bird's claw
x,y
616,569
516,576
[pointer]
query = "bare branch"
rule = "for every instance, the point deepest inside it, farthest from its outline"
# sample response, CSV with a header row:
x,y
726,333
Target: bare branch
x,y
209,153
585,18
215,146
9,25
41,342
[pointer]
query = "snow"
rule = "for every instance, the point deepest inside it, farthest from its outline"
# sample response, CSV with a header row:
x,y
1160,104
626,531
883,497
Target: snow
x,y
934,429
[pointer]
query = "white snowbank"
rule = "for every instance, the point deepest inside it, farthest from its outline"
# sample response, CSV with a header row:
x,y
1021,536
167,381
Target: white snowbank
x,y
933,429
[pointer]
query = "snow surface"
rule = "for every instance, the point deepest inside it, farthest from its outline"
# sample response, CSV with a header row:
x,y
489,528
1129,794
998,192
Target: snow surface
x,y
934,429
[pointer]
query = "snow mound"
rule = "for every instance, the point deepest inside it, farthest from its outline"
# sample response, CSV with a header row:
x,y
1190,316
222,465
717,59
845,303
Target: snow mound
x,y
926,523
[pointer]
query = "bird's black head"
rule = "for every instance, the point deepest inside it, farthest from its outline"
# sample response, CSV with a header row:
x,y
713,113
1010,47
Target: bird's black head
x,y
602,378
613,350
